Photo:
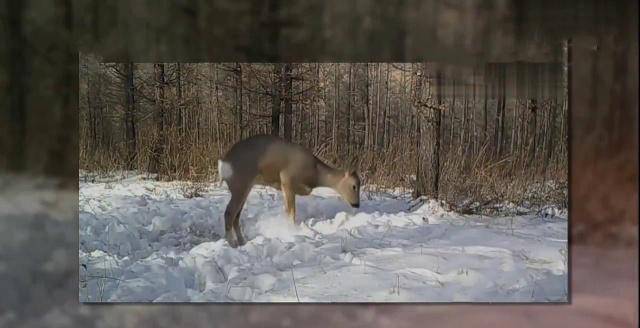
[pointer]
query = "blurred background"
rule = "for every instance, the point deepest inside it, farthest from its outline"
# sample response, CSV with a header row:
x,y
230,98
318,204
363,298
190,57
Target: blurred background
x,y
44,44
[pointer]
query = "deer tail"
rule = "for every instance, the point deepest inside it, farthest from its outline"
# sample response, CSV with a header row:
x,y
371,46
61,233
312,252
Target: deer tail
x,y
225,171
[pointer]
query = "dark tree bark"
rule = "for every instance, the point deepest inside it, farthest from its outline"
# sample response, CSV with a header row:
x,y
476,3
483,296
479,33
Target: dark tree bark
x,y
453,115
568,89
533,108
551,133
288,104
218,108
335,110
130,116
348,125
385,112
160,142
316,97
377,126
485,125
405,114
472,136
463,131
276,98
499,118
423,170
239,98
435,158
325,112
514,125
503,104
302,120
92,110
367,111
179,112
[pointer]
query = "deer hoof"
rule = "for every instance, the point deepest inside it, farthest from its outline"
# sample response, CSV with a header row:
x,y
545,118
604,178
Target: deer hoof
x,y
231,240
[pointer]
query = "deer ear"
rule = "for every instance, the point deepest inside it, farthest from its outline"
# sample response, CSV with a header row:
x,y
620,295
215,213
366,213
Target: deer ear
x,y
346,173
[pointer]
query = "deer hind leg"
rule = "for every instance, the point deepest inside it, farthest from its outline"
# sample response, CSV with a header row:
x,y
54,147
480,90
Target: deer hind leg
x,y
239,194
289,197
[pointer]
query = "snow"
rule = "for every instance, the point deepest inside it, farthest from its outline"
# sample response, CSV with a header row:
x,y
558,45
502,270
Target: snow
x,y
143,241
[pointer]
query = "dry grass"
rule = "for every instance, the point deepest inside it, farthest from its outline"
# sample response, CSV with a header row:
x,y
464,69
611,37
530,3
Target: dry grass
x,y
471,184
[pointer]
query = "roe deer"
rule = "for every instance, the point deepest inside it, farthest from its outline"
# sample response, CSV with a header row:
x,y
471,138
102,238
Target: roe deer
x,y
271,161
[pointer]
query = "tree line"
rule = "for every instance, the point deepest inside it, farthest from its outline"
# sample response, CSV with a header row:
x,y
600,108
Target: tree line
x,y
442,131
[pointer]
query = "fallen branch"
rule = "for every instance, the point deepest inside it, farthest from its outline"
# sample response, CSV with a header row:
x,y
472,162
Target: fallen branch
x,y
294,284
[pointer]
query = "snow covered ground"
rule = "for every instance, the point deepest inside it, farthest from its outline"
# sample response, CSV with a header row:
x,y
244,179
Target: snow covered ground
x,y
143,241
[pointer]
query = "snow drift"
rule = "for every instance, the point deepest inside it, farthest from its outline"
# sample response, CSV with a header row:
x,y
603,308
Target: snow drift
x,y
143,241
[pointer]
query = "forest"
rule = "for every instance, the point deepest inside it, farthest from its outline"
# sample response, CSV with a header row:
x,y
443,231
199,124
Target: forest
x,y
470,135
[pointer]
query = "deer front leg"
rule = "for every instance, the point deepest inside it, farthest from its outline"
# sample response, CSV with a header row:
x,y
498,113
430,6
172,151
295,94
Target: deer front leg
x,y
229,215
239,193
289,198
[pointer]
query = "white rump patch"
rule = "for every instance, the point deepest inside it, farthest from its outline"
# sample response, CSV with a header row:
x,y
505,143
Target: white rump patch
x,y
225,171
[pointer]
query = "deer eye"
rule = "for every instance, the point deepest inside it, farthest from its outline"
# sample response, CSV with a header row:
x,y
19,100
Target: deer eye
x,y
354,187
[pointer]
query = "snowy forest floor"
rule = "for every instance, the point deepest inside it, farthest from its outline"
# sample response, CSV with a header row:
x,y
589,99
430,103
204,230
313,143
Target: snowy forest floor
x,y
144,241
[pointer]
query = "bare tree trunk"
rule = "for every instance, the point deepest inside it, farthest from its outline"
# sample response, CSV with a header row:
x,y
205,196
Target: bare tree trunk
x,y
404,115
180,105
514,124
435,158
300,111
552,121
466,140
288,101
385,112
525,144
325,113
503,108
348,125
496,126
421,180
485,126
196,117
217,109
316,95
533,108
335,111
239,97
158,149
129,117
377,131
426,173
92,119
276,98
453,115
463,131
499,119
568,61
474,136
367,111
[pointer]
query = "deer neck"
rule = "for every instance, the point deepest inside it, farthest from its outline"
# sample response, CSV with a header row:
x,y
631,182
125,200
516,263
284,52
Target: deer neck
x,y
329,176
